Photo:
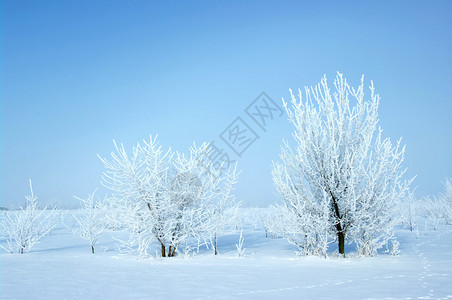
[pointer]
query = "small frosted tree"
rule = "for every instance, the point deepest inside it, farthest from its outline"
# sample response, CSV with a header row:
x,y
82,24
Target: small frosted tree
x,y
343,179
409,210
25,228
89,220
223,213
432,211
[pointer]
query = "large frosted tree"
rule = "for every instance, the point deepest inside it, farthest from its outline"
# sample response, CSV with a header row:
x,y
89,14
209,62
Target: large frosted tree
x,y
342,179
165,196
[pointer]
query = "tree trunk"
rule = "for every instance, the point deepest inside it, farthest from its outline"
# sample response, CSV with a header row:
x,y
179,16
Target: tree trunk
x,y
341,240
163,251
92,249
339,228
215,244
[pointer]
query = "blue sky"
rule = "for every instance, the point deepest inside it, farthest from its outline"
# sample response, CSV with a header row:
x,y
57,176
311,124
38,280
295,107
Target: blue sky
x,y
77,74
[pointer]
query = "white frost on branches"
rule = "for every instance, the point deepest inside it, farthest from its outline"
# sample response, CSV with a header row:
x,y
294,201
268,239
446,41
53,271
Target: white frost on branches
x,y
164,196
90,221
25,228
239,246
343,180
438,209
223,213
409,210
446,200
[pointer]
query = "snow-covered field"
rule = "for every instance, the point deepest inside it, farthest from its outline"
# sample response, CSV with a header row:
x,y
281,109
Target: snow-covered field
x,y
62,267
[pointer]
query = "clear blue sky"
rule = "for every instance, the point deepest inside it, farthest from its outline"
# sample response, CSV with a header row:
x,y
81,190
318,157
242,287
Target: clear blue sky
x,y
77,74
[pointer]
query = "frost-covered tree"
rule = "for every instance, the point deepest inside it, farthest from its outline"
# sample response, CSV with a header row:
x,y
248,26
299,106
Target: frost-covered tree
x,y
408,209
446,200
222,213
437,210
343,179
239,246
90,220
432,211
25,228
164,196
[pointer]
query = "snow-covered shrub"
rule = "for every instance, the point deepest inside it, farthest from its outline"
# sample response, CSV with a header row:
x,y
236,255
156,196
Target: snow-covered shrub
x,y
26,227
343,180
395,249
90,221
239,246
165,196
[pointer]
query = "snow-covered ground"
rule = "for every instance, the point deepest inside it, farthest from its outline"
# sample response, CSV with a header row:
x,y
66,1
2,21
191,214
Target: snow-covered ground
x,y
62,267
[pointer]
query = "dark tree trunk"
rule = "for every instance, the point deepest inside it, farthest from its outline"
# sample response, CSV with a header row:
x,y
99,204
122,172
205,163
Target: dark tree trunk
x,y
215,244
171,250
92,249
339,229
341,241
